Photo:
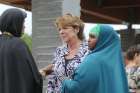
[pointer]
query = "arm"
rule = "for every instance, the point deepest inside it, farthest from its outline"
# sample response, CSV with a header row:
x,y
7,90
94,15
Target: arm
x,y
70,86
52,79
47,70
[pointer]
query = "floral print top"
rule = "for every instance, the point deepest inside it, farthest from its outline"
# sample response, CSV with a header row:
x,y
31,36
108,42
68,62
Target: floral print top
x,y
64,68
133,76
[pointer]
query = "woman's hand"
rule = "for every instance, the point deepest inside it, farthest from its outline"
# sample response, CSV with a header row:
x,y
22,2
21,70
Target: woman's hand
x,y
47,70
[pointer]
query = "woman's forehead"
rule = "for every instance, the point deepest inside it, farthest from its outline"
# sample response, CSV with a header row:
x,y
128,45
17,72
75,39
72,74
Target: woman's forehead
x,y
92,35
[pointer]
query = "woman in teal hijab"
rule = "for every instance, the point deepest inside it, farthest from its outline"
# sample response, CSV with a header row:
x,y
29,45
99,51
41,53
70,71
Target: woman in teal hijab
x,y
102,70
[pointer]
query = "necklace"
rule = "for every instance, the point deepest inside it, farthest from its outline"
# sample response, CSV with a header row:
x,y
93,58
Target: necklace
x,y
7,33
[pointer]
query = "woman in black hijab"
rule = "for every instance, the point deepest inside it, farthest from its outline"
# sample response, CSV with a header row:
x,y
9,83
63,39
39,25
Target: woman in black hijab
x,y
18,71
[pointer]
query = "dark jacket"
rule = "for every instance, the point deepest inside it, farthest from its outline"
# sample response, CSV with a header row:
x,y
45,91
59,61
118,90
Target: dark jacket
x,y
18,71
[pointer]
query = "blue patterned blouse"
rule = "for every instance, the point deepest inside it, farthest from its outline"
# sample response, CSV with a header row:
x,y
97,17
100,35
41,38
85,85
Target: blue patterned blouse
x,y
64,68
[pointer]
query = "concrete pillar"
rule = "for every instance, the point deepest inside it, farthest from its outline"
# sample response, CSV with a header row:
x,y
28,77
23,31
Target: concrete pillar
x,y
71,6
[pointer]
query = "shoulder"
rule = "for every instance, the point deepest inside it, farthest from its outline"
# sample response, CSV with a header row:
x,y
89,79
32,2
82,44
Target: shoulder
x,y
84,43
61,49
138,70
83,48
18,43
17,40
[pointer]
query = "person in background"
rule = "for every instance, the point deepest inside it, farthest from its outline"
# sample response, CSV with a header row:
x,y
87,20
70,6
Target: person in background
x,y
18,71
68,56
133,69
102,70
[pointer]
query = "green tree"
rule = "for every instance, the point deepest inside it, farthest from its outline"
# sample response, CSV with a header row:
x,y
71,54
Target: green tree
x,y
28,40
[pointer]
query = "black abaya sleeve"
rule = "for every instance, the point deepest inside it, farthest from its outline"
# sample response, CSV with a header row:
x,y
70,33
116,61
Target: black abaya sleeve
x,y
27,67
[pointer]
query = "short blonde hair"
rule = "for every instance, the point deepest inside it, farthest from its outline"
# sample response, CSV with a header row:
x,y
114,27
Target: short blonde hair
x,y
69,20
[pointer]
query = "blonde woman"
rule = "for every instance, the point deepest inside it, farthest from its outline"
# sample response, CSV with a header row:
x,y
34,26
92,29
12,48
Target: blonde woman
x,y
68,56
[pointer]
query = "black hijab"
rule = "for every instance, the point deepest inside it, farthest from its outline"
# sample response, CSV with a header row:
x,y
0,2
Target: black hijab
x,y
12,21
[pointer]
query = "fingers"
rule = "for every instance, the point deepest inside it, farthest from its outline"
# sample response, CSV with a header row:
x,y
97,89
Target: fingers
x,y
47,70
42,72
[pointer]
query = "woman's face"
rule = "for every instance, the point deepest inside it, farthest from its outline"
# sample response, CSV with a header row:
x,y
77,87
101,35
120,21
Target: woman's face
x,y
67,33
92,42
